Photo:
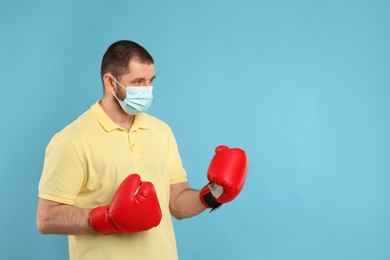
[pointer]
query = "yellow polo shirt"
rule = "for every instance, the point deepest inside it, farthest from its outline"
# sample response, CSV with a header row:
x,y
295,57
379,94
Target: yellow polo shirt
x,y
86,162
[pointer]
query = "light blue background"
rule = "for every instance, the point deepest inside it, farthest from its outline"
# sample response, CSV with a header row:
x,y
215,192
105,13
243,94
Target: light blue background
x,y
302,86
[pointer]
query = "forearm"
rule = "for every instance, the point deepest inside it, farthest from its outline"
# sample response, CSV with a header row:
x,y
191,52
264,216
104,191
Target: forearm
x,y
187,204
56,218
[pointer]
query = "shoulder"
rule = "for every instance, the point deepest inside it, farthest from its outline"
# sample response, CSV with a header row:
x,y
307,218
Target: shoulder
x,y
77,128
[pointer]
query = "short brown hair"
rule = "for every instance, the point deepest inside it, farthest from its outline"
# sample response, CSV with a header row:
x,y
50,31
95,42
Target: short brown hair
x,y
119,54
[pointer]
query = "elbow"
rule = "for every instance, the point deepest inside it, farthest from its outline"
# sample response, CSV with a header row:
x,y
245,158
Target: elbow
x,y
178,217
42,226
42,222
176,214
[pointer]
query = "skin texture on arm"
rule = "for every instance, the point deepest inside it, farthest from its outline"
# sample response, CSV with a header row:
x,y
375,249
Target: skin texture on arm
x,y
62,219
184,201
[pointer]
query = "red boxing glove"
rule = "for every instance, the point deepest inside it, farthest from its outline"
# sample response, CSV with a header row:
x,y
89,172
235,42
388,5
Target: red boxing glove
x,y
133,208
226,173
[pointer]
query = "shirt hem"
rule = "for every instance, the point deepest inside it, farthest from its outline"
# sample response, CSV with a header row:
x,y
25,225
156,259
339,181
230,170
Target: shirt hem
x,y
178,180
55,198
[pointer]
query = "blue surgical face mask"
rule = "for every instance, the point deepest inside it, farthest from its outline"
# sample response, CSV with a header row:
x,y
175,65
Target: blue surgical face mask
x,y
137,100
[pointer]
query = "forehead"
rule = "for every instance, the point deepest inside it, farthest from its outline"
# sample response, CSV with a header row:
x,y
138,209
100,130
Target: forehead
x,y
143,70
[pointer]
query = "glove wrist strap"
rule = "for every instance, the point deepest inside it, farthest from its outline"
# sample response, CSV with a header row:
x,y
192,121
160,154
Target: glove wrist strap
x,y
207,198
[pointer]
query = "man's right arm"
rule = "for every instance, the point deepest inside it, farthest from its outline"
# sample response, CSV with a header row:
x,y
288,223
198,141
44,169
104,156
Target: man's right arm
x,y
133,208
62,219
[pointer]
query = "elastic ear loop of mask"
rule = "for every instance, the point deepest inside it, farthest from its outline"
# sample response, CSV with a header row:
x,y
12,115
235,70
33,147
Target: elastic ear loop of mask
x,y
118,82
113,93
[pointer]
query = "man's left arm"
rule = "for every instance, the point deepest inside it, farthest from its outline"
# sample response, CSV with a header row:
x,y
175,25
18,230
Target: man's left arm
x,y
184,201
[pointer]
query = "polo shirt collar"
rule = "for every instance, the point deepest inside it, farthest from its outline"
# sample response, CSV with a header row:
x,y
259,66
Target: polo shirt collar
x,y
140,120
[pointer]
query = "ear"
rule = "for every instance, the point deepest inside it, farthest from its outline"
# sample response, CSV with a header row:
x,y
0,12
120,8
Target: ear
x,y
109,83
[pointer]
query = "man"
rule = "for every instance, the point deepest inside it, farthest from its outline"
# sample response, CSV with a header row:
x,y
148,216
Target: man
x,y
112,178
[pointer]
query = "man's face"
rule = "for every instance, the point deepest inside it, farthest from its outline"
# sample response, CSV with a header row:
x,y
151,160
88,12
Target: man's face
x,y
140,74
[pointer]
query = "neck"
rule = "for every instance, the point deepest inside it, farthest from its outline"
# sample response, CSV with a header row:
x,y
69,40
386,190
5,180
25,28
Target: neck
x,y
116,113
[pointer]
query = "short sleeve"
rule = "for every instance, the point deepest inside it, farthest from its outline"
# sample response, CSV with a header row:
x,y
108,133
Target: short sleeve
x,y
176,170
62,175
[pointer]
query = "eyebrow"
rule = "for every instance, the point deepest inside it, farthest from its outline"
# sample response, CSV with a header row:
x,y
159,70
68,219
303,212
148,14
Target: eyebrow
x,y
153,78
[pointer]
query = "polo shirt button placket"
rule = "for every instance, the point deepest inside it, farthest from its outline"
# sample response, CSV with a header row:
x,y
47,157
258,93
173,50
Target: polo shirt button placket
x,y
131,142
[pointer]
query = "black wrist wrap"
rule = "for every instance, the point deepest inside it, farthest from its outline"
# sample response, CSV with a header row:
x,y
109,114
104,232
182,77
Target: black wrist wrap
x,y
210,201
